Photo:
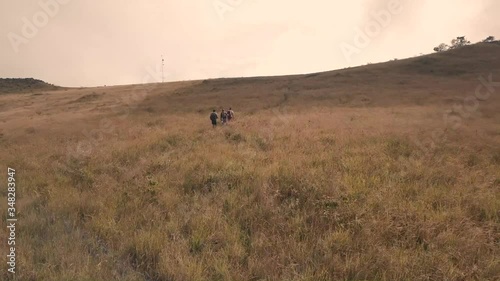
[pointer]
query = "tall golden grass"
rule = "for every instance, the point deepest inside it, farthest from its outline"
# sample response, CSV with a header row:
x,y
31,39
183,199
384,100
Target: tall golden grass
x,y
326,176
324,195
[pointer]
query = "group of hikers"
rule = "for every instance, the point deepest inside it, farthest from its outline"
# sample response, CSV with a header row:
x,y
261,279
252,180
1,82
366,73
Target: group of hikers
x,y
225,117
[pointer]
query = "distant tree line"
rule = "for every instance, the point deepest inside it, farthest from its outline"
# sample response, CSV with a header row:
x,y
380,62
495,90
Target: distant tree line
x,y
459,42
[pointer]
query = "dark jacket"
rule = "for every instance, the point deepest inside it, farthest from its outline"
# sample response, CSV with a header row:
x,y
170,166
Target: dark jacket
x,y
213,116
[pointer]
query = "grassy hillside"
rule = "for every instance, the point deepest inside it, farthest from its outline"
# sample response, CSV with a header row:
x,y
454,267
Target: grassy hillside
x,y
28,85
368,173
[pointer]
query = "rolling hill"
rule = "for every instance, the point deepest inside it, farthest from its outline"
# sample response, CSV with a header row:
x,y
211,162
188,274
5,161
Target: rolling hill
x,y
388,171
20,85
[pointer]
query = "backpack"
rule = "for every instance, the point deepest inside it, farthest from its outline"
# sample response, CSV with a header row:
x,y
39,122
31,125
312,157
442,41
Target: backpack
x,y
213,116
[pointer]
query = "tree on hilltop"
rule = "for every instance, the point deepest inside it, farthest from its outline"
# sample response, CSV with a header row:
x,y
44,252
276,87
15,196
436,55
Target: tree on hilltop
x,y
459,42
455,44
441,48
489,39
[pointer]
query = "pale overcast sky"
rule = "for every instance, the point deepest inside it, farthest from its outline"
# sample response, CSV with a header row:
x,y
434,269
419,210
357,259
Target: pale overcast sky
x,y
91,43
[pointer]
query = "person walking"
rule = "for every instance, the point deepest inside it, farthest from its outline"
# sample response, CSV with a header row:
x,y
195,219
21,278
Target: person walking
x,y
214,118
230,114
223,117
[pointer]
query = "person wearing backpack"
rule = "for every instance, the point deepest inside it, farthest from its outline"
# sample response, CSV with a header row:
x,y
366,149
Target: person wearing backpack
x,y
230,114
223,117
214,118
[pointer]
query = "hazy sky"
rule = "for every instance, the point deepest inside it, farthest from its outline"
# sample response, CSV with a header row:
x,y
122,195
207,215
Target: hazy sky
x,y
90,43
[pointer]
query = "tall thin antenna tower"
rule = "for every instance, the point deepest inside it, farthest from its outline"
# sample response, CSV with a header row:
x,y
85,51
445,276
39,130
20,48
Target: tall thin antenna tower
x,y
162,65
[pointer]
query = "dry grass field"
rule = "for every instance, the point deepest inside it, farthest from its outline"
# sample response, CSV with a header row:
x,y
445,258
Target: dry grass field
x,y
384,172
